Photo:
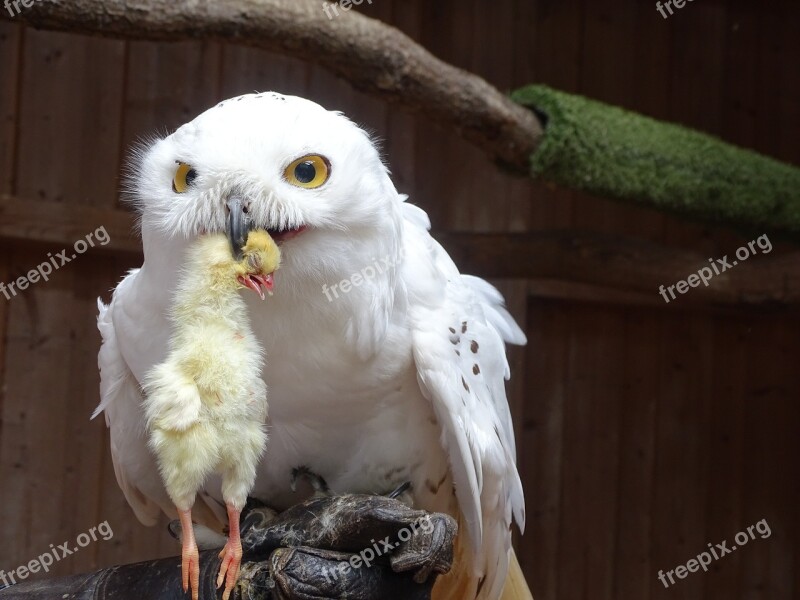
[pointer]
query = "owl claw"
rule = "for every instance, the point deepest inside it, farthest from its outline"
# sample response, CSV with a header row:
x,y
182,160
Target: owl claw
x,y
317,482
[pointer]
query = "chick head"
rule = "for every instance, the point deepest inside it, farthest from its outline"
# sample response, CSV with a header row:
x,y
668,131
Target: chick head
x,y
260,259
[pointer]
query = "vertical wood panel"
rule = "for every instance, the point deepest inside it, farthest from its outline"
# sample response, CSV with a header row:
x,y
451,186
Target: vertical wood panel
x,y
442,173
35,410
697,52
401,130
726,447
625,43
555,43
248,70
63,108
490,193
541,446
10,58
777,91
633,568
682,464
589,465
706,447
69,114
772,475
168,85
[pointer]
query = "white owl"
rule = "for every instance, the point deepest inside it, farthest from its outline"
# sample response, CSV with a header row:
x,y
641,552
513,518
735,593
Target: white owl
x,y
385,364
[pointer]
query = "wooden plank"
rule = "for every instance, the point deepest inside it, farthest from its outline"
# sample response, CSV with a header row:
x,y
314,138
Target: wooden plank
x,y
772,54
5,275
698,35
96,103
401,128
782,22
525,34
541,445
10,40
88,440
625,52
443,179
609,75
63,223
555,42
741,80
726,448
590,464
248,70
69,119
633,569
604,261
39,451
10,57
166,86
770,467
617,263
488,203
682,465
34,436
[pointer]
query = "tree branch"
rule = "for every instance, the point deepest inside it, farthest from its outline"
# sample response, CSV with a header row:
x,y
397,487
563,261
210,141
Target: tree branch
x,y
588,145
374,57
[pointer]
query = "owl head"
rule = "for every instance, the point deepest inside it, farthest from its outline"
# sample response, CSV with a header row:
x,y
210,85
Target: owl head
x,y
310,177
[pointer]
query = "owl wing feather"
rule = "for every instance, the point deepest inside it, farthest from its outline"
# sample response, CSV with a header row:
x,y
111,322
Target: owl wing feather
x,y
460,327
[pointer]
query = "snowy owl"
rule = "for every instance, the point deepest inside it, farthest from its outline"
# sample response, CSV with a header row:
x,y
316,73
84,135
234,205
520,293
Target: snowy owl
x,y
385,364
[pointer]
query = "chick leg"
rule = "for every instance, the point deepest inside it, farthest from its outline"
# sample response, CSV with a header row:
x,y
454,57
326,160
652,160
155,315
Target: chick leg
x,y
231,554
190,555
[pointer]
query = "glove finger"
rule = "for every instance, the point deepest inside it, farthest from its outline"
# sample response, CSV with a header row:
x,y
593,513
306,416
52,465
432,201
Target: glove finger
x,y
429,551
315,574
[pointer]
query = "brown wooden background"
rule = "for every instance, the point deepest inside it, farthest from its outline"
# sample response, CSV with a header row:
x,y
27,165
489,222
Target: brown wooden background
x,y
646,431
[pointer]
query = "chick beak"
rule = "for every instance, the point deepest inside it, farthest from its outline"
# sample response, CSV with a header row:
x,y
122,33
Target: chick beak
x,y
258,283
239,224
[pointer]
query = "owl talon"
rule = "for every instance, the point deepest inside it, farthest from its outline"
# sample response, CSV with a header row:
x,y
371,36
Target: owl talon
x,y
317,482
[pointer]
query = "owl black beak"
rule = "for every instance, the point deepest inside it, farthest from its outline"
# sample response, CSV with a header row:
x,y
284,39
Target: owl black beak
x,y
239,224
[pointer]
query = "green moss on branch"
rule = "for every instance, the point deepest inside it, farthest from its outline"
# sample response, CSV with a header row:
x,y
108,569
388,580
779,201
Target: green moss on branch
x,y
608,151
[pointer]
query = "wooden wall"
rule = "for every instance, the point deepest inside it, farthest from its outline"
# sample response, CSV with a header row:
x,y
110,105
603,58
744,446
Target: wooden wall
x,y
646,431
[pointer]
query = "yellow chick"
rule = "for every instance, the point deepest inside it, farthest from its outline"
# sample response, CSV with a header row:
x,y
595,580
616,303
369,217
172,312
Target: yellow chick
x,y
206,404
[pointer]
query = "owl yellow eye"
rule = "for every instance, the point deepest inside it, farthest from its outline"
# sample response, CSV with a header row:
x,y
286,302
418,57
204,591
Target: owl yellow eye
x,y
184,177
308,172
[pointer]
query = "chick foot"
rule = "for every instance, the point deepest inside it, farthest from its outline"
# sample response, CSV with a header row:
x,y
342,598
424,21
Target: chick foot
x,y
231,555
190,556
